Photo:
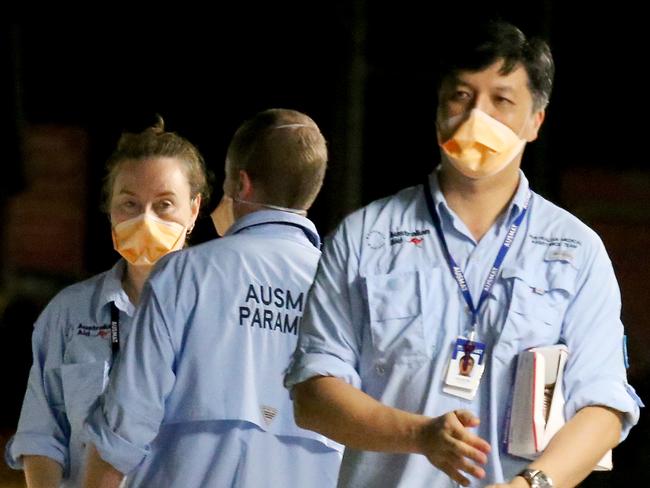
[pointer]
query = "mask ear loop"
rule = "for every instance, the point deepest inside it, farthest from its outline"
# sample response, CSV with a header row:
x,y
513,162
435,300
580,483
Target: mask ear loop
x,y
277,207
296,211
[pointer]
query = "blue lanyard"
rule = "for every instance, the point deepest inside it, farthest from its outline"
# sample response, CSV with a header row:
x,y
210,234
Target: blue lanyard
x,y
455,269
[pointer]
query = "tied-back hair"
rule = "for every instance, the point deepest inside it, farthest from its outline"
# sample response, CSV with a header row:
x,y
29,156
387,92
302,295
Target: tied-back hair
x,y
156,142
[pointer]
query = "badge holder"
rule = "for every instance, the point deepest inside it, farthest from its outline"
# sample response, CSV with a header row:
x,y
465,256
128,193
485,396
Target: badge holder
x,y
465,368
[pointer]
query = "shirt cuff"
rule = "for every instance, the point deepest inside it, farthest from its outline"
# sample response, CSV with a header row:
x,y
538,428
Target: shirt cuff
x,y
30,444
616,395
309,365
112,448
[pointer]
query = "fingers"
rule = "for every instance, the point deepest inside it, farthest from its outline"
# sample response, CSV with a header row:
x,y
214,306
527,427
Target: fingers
x,y
467,419
454,449
467,450
458,468
455,467
455,475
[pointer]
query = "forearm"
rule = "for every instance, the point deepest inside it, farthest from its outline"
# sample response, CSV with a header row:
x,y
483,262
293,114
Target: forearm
x,y
99,473
42,472
583,440
344,413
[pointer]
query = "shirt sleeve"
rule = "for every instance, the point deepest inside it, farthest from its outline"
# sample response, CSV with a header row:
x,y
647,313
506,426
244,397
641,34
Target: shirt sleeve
x,y
595,372
128,415
43,427
329,342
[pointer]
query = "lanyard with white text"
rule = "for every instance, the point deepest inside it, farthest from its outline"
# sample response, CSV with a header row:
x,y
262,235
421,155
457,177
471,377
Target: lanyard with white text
x,y
115,329
455,269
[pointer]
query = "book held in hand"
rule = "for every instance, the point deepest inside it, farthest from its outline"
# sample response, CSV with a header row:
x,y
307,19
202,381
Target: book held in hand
x,y
537,411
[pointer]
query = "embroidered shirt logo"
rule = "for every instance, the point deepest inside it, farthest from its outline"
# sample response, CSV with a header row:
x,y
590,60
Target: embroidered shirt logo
x,y
415,237
268,413
375,239
564,242
94,330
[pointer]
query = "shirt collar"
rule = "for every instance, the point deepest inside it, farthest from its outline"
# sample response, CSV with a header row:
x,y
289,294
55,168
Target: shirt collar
x,y
516,205
521,195
112,290
261,217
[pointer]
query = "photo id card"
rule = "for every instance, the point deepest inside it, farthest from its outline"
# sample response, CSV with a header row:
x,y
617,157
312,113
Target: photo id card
x,y
465,368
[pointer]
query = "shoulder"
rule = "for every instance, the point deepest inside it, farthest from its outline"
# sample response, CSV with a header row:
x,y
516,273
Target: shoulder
x,y
549,221
372,223
82,292
73,303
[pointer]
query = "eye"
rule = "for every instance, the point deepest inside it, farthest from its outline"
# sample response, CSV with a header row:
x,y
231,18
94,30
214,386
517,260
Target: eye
x,y
128,205
500,100
163,206
461,95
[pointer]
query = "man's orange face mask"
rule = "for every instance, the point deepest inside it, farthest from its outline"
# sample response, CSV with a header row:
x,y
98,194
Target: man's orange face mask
x,y
481,146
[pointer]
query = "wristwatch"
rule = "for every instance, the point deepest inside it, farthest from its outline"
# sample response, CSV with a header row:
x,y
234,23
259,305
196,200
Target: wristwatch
x,y
536,478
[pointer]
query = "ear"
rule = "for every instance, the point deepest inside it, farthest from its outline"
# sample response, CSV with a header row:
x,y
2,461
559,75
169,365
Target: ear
x,y
538,119
195,206
245,189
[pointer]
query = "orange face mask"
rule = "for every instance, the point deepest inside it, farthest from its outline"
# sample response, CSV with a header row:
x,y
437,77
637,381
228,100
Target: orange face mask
x,y
223,216
482,146
144,239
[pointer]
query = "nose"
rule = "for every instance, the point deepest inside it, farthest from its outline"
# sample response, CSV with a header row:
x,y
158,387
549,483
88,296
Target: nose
x,y
483,103
149,211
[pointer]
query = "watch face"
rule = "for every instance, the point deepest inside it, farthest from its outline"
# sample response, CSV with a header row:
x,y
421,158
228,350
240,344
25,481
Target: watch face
x,y
536,478
540,480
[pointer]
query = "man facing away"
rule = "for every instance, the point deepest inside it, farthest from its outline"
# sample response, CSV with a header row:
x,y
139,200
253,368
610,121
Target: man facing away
x,y
197,400
470,264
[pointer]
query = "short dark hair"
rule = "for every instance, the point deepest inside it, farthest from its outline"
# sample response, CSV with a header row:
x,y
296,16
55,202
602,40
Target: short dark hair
x,y
481,46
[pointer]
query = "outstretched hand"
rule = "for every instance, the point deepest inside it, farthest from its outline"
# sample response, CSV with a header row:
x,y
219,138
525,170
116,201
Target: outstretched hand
x,y
450,446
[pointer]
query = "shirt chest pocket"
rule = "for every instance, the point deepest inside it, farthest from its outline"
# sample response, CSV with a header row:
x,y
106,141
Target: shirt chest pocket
x,y
82,384
538,301
395,310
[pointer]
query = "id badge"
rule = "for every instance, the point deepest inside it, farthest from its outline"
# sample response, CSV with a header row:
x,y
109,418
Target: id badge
x,y
465,368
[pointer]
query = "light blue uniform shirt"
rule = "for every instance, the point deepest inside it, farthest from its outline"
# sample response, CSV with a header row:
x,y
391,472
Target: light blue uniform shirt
x,y
72,353
214,333
385,312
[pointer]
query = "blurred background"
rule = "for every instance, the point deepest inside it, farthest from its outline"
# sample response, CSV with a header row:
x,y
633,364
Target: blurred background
x,y
364,71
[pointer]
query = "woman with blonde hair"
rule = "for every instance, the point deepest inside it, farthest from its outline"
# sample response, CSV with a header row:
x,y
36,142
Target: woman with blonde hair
x,y
154,187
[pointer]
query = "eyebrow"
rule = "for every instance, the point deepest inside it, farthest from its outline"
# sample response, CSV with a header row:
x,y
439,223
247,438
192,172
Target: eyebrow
x,y
169,193
457,81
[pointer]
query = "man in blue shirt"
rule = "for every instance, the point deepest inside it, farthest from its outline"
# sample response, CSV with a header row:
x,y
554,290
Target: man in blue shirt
x,y
196,399
470,265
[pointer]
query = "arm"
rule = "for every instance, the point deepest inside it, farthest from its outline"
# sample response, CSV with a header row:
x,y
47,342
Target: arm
x,y
584,440
100,474
43,429
42,472
599,403
344,413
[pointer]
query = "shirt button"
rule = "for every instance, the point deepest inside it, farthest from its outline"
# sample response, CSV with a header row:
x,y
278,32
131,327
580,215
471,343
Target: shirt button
x,y
380,370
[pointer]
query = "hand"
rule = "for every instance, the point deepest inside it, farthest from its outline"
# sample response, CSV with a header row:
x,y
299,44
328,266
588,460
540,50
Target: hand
x,y
451,447
517,482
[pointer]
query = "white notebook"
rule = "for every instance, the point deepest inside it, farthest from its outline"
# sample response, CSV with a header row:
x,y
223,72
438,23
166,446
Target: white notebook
x,y
537,411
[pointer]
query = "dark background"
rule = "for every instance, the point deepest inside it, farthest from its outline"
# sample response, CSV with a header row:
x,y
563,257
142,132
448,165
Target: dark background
x,y
364,71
